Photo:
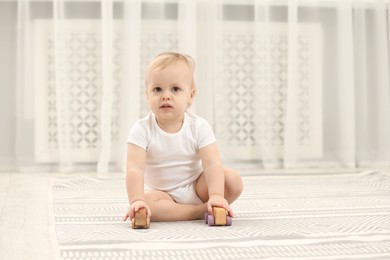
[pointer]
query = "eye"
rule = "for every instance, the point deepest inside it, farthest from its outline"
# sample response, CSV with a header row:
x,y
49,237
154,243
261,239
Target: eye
x,y
176,89
156,89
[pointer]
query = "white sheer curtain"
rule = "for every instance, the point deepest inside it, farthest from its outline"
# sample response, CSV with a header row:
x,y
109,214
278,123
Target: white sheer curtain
x,y
288,83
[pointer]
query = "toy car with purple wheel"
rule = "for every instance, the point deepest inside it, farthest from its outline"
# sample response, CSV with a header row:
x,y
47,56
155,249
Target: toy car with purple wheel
x,y
218,218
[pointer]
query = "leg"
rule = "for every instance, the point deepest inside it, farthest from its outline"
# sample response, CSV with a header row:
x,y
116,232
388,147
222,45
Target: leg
x,y
164,208
233,186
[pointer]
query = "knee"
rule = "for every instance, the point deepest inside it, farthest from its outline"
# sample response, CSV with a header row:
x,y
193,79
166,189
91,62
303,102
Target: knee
x,y
154,196
149,197
237,184
234,186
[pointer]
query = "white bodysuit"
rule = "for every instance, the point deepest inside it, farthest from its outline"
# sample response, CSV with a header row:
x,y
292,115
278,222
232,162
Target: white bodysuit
x,y
173,163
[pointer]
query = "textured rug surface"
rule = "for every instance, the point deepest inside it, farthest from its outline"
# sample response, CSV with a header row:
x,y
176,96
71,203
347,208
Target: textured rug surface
x,y
279,216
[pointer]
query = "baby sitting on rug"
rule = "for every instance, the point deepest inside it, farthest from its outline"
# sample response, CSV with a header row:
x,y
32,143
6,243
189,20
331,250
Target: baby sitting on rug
x,y
174,170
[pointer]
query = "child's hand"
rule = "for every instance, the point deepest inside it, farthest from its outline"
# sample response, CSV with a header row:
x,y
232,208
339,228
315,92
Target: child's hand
x,y
134,207
219,201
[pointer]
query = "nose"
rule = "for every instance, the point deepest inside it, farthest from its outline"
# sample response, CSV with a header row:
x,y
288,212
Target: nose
x,y
166,95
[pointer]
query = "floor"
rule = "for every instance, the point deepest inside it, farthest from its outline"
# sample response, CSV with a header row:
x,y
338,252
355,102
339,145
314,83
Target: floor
x,y
26,211
25,226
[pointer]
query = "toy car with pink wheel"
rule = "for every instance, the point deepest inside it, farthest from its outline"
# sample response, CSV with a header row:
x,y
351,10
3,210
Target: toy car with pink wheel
x,y
218,218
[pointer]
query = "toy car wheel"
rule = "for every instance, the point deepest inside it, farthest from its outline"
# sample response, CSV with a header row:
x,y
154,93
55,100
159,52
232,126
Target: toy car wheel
x,y
229,221
210,220
206,217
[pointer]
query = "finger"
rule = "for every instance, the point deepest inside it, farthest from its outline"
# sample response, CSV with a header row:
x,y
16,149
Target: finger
x,y
126,217
228,209
209,208
230,212
138,207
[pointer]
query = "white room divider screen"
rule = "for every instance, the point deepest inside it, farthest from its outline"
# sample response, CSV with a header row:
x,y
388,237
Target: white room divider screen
x,y
252,105
83,82
249,100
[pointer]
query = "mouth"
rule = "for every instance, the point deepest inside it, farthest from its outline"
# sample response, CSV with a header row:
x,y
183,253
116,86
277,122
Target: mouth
x,y
166,106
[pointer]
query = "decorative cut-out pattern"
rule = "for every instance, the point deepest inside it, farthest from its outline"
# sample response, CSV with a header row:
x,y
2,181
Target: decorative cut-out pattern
x,y
251,106
82,86
255,91
78,105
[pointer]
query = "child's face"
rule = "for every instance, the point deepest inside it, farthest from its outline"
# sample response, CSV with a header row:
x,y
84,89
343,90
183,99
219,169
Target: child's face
x,y
169,91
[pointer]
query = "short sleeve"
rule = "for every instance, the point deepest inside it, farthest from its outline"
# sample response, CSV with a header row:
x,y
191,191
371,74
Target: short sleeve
x,y
205,134
138,135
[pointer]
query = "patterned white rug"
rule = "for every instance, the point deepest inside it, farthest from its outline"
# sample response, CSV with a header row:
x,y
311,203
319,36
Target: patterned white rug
x,y
279,216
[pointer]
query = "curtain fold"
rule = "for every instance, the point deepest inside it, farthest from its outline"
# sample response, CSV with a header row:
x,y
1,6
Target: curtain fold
x,y
132,79
107,29
22,45
263,75
62,84
291,107
284,84
345,84
382,54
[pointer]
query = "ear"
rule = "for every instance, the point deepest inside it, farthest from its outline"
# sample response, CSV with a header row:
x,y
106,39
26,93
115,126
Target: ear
x,y
193,92
192,96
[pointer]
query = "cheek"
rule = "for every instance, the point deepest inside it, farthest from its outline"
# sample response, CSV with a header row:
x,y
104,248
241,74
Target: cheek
x,y
149,99
154,100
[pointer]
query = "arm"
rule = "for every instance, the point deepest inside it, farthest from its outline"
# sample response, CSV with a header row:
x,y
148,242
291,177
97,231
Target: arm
x,y
215,177
136,159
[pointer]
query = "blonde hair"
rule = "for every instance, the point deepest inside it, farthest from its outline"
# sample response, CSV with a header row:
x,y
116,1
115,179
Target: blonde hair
x,y
164,59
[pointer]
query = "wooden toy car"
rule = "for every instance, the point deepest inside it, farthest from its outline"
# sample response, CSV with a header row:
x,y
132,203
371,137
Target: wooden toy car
x,y
218,218
140,219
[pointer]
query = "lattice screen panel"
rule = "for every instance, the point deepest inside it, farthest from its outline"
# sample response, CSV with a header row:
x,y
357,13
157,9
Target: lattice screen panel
x,y
80,99
250,109
252,99
81,50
